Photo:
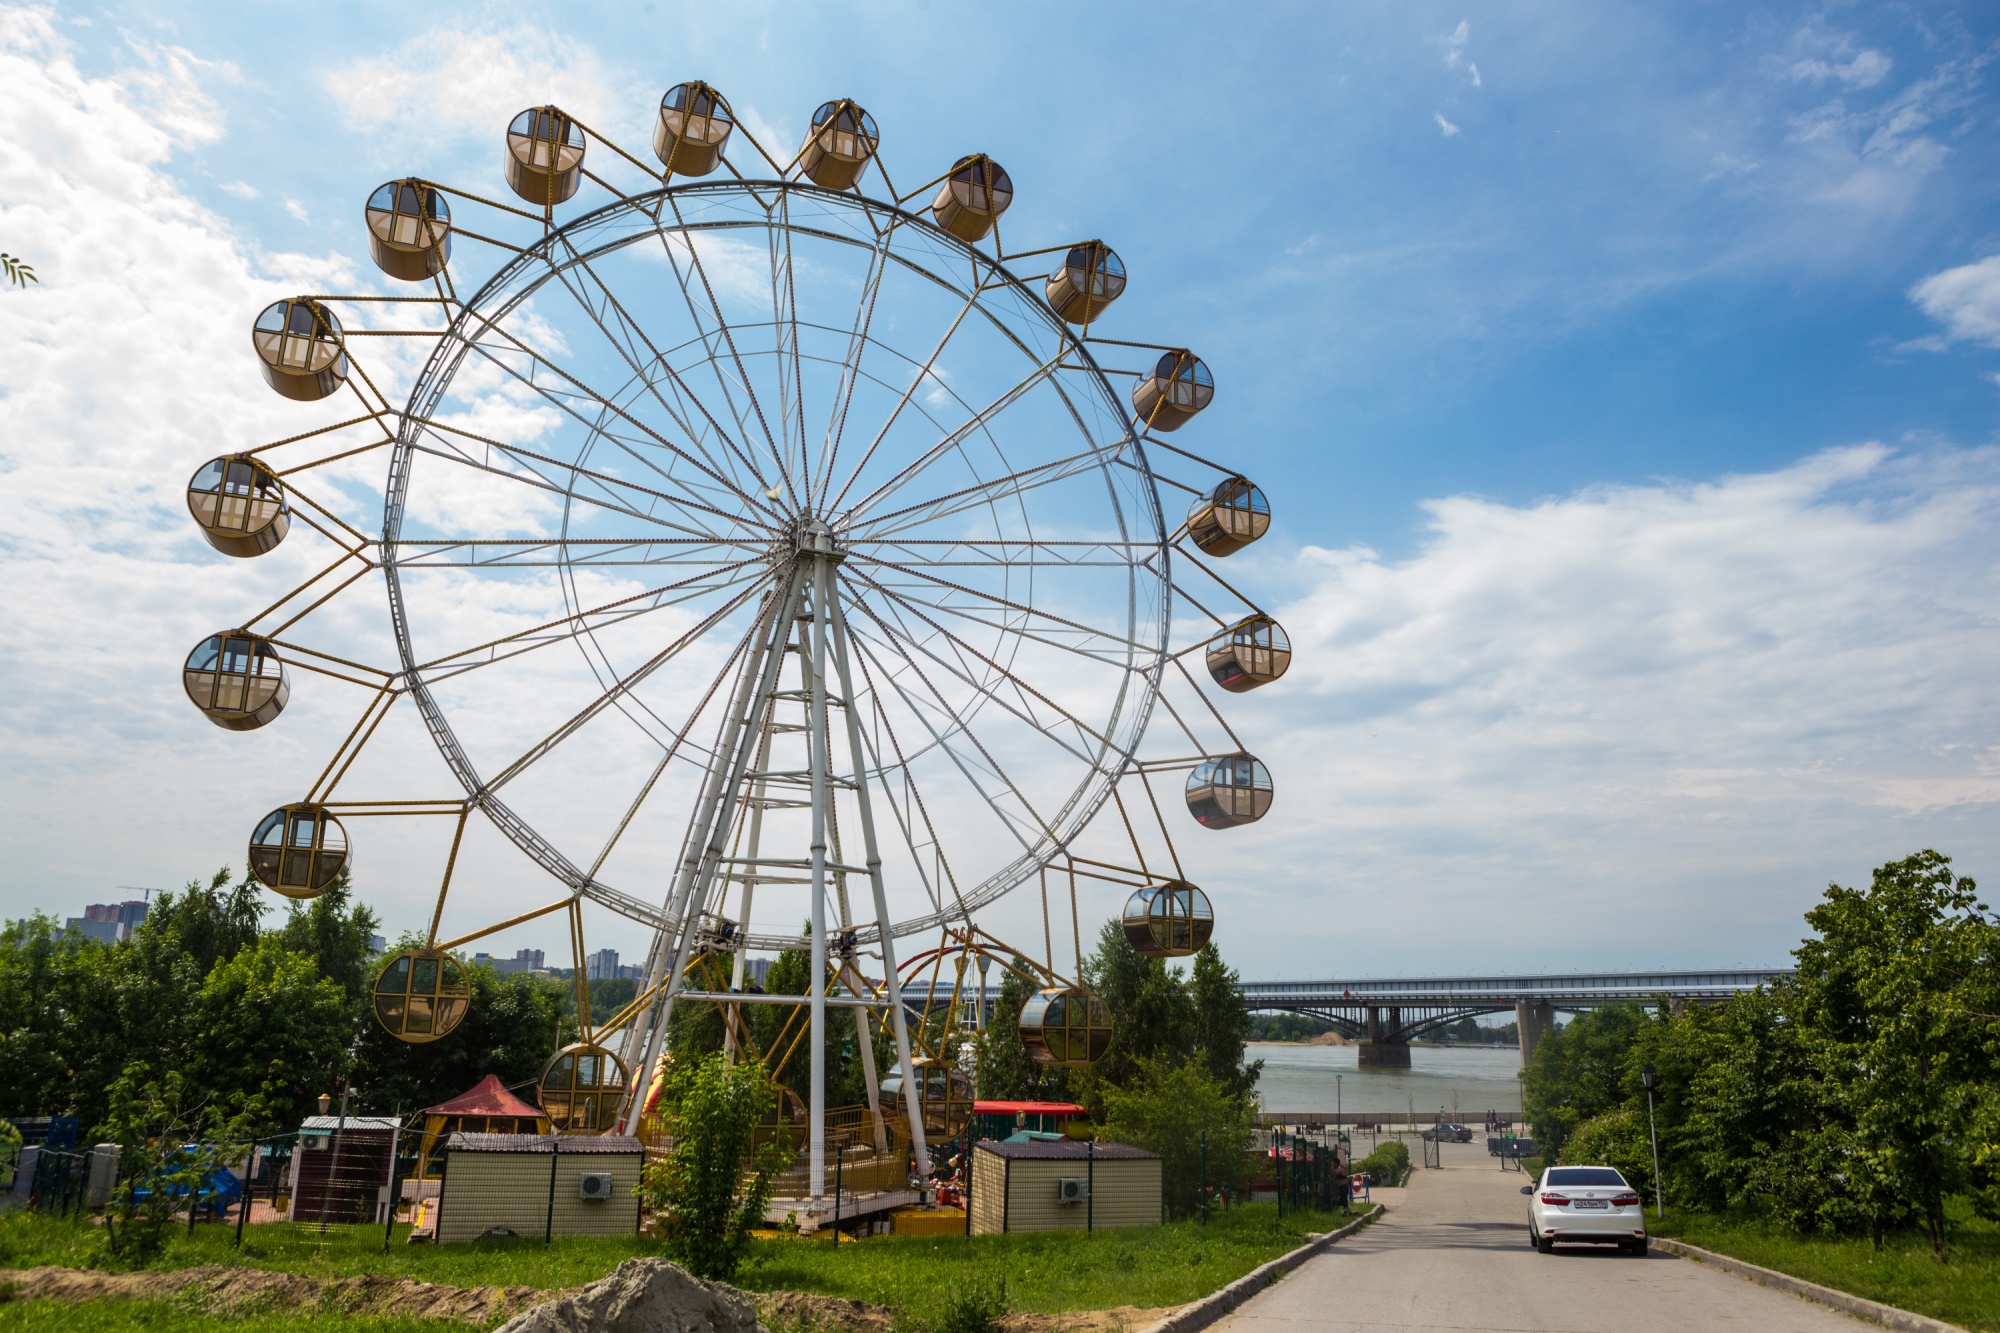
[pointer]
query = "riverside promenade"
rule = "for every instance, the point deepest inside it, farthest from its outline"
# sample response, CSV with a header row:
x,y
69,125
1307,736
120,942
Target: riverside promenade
x,y
1452,1253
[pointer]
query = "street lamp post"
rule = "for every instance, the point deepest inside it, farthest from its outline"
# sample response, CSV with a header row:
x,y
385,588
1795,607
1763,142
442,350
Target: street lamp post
x,y
1646,1080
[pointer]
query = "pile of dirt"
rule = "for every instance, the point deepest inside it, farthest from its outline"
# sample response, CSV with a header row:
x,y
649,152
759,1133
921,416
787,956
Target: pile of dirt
x,y
1124,1319
807,1311
231,1290
642,1296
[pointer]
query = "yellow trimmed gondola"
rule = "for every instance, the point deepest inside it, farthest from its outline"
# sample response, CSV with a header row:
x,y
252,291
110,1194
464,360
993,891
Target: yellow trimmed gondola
x,y
839,146
1252,652
298,850
1229,517
237,680
972,198
1229,790
299,347
240,505
944,1096
694,127
421,995
1179,387
1067,1027
544,155
1170,920
1084,285
580,1089
409,230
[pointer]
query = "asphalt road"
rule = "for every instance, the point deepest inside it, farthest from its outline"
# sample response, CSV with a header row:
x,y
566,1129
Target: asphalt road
x,y
1452,1253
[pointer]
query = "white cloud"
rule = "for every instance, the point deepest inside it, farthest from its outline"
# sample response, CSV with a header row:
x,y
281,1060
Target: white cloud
x,y
472,83
1593,727
296,209
1445,127
1966,300
1454,43
241,189
1473,70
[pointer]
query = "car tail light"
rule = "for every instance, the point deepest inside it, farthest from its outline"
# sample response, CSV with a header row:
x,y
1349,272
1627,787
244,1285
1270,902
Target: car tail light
x,y
1556,1200
1626,1201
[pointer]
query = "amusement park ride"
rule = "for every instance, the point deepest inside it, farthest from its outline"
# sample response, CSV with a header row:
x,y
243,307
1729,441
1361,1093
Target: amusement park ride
x,y
787,520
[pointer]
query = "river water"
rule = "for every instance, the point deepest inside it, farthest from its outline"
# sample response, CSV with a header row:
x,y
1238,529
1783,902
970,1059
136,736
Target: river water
x,y
1465,1081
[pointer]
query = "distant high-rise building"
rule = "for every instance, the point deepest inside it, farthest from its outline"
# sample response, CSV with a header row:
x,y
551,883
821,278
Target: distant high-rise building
x,y
525,960
109,921
602,965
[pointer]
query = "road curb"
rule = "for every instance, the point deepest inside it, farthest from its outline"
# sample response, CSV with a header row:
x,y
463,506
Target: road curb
x,y
1216,1304
1861,1308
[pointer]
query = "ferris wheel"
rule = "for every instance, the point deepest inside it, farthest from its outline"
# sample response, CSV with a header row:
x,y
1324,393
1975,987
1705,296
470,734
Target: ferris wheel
x,y
760,543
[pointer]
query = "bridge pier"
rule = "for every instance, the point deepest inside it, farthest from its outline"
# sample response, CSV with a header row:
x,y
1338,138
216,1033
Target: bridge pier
x,y
1532,1021
1385,1046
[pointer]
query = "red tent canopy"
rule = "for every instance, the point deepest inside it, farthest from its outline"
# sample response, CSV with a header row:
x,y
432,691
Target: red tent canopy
x,y
1028,1108
486,1097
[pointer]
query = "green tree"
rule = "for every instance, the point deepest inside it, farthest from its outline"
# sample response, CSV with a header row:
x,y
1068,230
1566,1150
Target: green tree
x,y
270,1031
1172,1110
1221,1021
334,932
1152,1013
1616,1138
1580,1071
714,1183
1883,988
173,1138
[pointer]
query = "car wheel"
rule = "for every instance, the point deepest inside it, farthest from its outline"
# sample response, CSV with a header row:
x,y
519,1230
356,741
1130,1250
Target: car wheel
x,y
1546,1244
1639,1248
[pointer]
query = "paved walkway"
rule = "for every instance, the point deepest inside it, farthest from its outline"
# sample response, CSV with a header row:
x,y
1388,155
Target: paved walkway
x,y
1452,1253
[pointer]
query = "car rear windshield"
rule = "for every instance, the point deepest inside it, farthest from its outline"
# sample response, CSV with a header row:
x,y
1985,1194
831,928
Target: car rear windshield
x,y
1583,1175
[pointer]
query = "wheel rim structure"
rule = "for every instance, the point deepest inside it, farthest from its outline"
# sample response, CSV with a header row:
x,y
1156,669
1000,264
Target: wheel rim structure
x,y
703,424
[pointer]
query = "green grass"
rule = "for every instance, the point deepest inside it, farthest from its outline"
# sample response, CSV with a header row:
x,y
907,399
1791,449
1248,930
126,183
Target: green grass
x,y
1047,1271
189,1317
1965,1290
1044,1272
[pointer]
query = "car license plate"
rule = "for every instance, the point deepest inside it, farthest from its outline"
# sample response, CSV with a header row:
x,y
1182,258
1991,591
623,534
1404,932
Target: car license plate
x,y
1592,1203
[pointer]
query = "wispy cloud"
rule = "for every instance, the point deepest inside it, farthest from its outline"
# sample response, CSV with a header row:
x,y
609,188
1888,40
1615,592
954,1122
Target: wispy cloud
x,y
1966,300
241,189
1445,127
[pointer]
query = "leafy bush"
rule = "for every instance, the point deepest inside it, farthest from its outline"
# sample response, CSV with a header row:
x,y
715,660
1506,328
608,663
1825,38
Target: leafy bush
x,y
714,1185
1388,1165
972,1305
1615,1139
1169,1110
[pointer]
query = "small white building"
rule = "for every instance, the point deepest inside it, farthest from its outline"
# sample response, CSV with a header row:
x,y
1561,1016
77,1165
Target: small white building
x,y
532,1184
1062,1186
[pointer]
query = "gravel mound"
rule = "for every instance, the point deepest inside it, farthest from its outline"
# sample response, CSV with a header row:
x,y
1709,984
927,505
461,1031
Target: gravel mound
x,y
643,1296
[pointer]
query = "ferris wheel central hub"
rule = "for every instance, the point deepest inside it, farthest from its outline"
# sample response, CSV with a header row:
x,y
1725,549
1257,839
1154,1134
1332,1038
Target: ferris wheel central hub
x,y
812,536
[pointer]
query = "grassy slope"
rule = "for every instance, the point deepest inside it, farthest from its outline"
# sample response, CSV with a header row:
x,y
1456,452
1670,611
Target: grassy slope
x,y
1049,1271
1964,1291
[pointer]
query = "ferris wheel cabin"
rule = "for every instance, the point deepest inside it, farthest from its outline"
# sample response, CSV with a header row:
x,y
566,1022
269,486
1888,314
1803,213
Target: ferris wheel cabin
x,y
298,850
1083,286
1229,790
298,344
421,995
544,155
1179,387
1252,652
581,1087
1067,1027
839,146
409,230
237,680
973,197
1170,920
240,505
1229,517
694,127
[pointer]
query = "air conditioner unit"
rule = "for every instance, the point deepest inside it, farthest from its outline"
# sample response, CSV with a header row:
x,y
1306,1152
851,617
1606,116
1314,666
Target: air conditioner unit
x,y
1072,1189
594,1185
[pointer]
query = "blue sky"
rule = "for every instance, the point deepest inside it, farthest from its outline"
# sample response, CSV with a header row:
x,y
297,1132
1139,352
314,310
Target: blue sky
x,y
1624,377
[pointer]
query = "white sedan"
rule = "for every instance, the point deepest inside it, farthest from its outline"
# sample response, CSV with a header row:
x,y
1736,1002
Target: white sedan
x,y
1590,1205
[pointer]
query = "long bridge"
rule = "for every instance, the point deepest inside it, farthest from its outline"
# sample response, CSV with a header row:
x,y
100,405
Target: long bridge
x,y
1383,1015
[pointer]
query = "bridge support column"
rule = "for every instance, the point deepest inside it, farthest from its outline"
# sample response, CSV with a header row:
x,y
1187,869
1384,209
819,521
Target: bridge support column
x,y
1385,1046
1532,1020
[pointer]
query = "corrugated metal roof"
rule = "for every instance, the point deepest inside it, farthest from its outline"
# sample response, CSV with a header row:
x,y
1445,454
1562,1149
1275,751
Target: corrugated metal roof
x,y
368,1123
1069,1149
571,1144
